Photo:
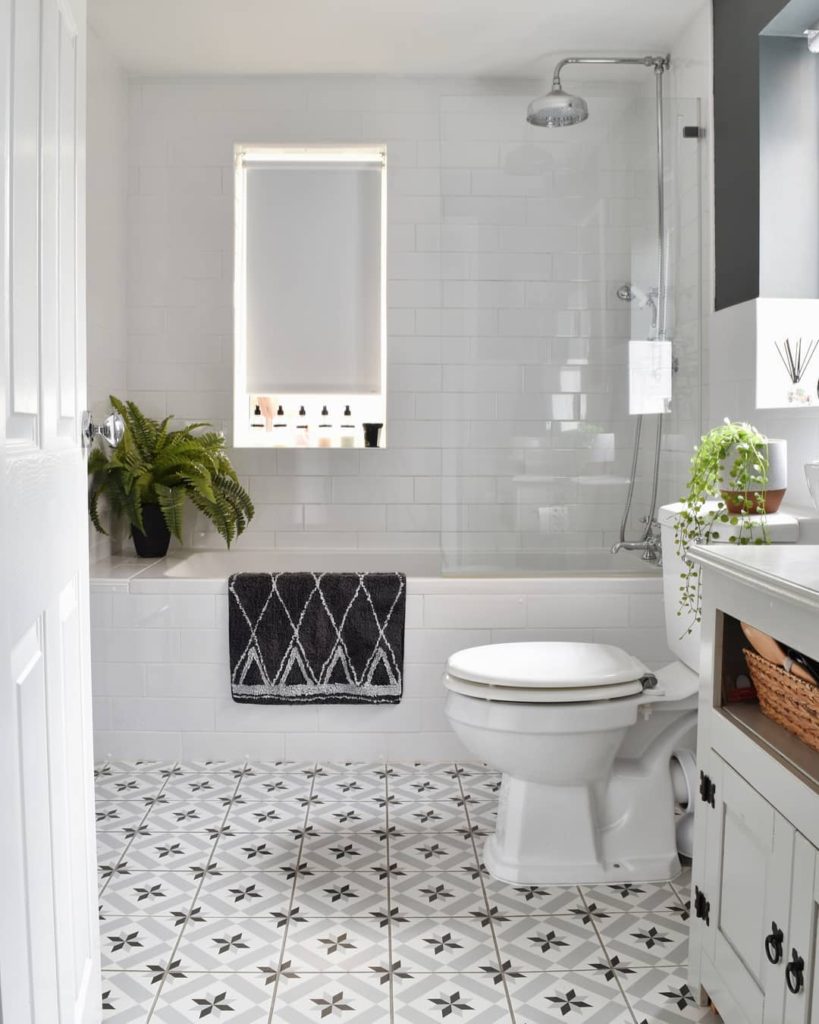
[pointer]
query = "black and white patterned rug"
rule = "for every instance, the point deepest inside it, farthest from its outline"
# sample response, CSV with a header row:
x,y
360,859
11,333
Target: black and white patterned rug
x,y
317,638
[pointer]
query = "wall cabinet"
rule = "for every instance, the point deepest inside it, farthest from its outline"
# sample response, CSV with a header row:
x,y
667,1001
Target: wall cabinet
x,y
755,904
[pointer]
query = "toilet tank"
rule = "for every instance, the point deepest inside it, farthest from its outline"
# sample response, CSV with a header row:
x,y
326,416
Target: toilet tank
x,y
782,529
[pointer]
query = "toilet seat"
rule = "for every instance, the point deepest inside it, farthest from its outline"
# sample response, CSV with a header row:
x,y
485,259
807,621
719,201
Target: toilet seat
x,y
545,672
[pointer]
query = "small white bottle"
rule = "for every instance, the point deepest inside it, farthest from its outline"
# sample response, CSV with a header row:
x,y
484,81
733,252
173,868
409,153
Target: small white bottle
x,y
325,429
302,429
281,433
347,429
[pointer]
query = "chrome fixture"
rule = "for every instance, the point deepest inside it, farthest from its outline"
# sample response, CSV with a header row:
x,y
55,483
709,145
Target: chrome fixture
x,y
111,429
644,300
558,109
651,543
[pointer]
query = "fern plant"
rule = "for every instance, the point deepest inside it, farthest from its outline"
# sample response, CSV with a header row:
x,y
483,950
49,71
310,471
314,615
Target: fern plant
x,y
153,465
698,522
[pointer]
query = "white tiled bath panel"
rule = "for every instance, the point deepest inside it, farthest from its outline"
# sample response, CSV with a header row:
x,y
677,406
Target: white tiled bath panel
x,y
300,893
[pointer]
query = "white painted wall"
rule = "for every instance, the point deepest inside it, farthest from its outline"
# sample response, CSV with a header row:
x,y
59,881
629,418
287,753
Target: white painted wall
x,y
106,234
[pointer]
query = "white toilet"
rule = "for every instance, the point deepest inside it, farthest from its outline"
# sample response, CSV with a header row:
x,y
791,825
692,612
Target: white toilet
x,y
596,751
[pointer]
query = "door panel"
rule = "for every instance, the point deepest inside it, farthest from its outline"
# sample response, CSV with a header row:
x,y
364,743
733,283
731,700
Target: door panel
x,y
801,935
49,960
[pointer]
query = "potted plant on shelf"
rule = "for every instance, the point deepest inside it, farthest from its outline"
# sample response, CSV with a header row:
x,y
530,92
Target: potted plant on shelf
x,y
153,470
738,476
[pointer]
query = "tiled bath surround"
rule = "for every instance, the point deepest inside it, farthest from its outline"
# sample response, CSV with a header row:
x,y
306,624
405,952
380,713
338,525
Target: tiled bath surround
x,y
162,684
261,893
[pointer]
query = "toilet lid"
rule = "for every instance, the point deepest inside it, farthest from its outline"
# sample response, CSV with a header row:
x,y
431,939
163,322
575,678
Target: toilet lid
x,y
540,695
548,666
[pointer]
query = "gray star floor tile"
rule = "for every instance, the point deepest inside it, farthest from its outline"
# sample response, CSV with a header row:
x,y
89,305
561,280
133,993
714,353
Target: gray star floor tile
x,y
344,786
131,943
549,943
245,893
646,939
340,894
682,883
310,999
195,788
267,816
473,998
230,944
631,897
116,816
421,786
428,816
437,894
443,944
515,900
211,767
127,997
484,788
146,893
344,945
174,851
111,846
353,851
567,996
137,767
237,998
447,851
346,816
256,851
660,995
273,788
129,787
190,816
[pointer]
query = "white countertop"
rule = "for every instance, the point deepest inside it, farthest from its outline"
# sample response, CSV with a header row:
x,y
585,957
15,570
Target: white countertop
x,y
787,570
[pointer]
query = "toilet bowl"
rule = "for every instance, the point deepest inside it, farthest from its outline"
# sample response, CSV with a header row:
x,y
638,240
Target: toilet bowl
x,y
597,752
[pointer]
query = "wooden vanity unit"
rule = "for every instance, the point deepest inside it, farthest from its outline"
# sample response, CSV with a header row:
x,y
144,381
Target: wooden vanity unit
x,y
755,893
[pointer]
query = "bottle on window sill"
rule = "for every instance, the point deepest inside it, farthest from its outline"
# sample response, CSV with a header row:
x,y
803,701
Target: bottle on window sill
x,y
325,429
347,429
302,429
257,420
281,432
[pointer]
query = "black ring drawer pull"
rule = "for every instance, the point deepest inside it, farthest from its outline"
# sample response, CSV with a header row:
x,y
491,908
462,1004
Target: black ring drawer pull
x,y
795,973
773,944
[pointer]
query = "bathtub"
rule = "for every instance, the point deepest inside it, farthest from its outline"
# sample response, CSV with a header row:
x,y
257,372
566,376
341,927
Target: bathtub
x,y
160,668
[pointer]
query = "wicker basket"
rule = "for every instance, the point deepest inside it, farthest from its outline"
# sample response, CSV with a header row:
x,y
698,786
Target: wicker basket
x,y
791,702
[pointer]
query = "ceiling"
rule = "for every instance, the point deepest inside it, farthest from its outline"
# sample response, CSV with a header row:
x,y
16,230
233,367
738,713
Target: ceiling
x,y
405,37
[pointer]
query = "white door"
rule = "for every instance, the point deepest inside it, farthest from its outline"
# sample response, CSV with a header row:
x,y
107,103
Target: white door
x,y
49,963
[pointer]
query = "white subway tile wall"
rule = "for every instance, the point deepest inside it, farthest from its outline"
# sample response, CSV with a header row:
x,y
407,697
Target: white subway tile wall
x,y
161,676
506,340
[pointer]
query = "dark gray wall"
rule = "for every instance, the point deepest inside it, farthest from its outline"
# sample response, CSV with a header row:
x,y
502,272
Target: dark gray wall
x,y
789,169
737,24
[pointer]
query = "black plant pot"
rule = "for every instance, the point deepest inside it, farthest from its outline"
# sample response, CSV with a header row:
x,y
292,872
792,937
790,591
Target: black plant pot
x,y
154,542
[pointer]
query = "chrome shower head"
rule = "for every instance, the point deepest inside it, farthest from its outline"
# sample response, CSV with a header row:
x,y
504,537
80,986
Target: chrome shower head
x,y
557,109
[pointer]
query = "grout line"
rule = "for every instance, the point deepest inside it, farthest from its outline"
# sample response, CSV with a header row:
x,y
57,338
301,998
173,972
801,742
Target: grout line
x,y
388,850
296,873
486,897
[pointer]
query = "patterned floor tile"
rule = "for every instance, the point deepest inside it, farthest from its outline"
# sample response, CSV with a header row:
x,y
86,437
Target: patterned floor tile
x,y
134,943
344,786
682,883
586,997
245,894
282,767
273,788
211,767
353,851
660,995
548,943
174,851
425,816
229,944
632,897
130,787
256,851
146,893
344,945
237,998
306,999
437,894
189,788
135,767
267,816
646,939
340,894
541,900
193,816
127,996
484,787
114,817
111,846
422,786
450,997
443,944
347,816
484,816
441,852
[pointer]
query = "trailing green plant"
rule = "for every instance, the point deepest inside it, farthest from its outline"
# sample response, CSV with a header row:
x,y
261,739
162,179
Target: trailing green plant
x,y
155,465
700,518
